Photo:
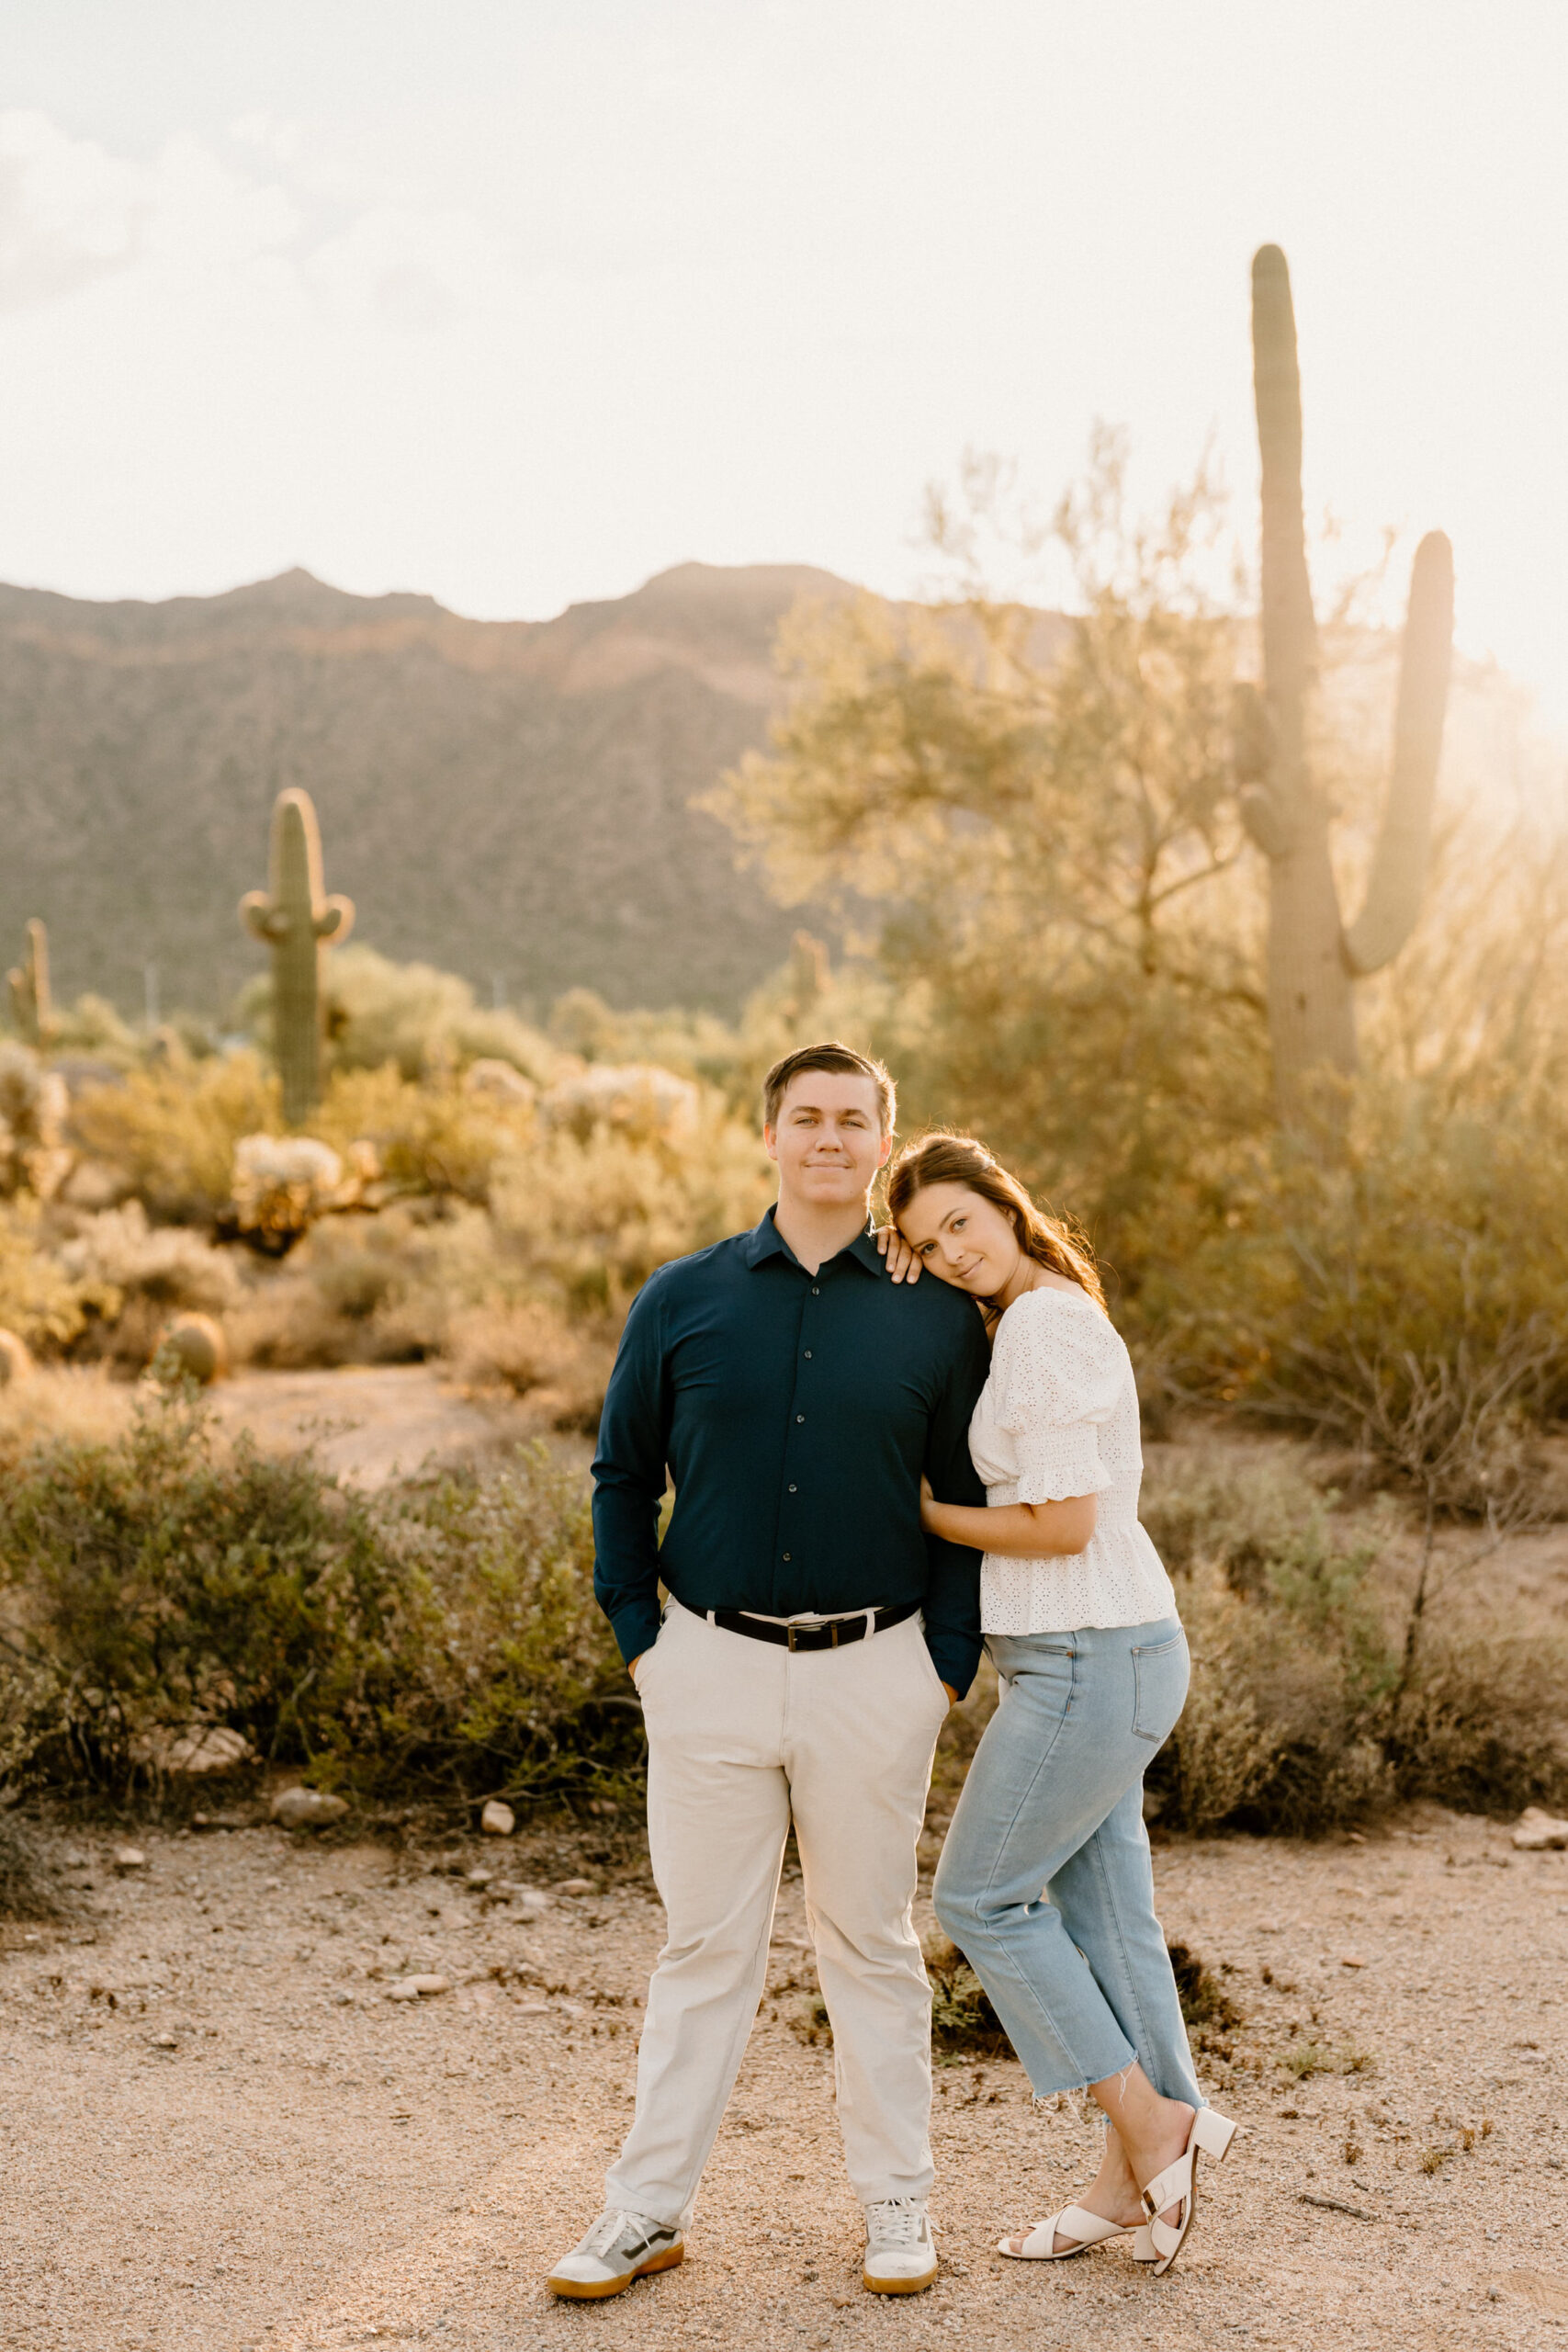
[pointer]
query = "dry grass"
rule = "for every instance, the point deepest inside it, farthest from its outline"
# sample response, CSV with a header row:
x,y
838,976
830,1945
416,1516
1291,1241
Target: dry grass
x,y
74,1404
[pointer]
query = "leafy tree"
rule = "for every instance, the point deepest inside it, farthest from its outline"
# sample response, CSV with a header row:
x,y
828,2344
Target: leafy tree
x,y
1037,815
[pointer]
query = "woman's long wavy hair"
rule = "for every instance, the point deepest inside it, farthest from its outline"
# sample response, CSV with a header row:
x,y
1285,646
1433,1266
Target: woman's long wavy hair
x,y
943,1158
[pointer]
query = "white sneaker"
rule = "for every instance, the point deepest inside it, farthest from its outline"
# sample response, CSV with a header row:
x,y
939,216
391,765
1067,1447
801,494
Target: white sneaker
x,y
900,2246
617,2249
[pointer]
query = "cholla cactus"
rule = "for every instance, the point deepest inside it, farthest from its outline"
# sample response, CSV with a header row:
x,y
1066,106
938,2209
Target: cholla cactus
x,y
638,1100
1314,958
282,1182
296,921
30,1007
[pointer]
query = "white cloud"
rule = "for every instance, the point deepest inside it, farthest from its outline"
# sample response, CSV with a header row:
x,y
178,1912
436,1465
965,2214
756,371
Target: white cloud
x,y
413,272
69,211
71,214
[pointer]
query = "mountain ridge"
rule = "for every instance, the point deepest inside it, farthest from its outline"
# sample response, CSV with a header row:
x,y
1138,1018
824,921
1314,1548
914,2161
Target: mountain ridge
x,y
509,799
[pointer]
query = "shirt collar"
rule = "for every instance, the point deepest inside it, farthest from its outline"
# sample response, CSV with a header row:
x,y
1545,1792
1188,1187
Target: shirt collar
x,y
765,1241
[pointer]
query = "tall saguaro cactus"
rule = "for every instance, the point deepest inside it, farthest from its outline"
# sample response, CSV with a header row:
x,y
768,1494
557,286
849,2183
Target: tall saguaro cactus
x,y
28,981
296,921
1314,958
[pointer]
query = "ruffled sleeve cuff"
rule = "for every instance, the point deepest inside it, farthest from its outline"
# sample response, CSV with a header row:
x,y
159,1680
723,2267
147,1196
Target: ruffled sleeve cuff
x,y
1056,1464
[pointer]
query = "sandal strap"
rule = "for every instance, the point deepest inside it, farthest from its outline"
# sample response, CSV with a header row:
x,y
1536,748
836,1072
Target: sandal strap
x,y
1169,2186
1073,2222
1165,2236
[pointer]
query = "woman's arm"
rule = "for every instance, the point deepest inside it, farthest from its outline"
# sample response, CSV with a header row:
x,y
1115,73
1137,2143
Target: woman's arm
x,y
1014,1531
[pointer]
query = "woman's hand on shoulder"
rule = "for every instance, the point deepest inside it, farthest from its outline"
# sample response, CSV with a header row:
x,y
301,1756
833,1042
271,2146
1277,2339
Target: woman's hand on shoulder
x,y
902,1263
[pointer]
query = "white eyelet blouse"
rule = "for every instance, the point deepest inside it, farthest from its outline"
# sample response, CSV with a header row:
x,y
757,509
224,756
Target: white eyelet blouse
x,y
1059,1417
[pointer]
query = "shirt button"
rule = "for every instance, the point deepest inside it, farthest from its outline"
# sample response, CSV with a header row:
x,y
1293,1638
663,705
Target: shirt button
x,y
815,1292
794,1490
786,1556
800,1417
808,1355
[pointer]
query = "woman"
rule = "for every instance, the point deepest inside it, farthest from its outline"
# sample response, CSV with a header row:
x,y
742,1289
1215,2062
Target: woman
x,y
1080,1621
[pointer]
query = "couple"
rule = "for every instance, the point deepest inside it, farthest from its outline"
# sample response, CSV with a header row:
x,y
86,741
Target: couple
x,y
828,1420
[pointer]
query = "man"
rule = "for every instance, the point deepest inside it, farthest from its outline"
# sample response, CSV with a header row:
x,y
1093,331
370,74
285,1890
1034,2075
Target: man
x,y
813,1640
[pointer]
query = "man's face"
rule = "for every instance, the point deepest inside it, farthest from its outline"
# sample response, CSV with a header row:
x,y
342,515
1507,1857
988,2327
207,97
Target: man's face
x,y
828,1141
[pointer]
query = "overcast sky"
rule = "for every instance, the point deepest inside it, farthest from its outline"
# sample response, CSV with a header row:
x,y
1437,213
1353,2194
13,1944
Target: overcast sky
x,y
519,301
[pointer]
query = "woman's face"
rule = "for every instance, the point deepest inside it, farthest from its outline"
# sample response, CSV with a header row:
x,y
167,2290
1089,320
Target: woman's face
x,y
963,1237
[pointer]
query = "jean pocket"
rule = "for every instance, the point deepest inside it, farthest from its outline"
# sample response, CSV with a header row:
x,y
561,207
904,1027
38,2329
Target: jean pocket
x,y
1160,1675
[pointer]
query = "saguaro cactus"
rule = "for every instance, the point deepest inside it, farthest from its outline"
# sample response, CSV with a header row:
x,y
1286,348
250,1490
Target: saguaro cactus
x,y
296,921
1312,959
30,1006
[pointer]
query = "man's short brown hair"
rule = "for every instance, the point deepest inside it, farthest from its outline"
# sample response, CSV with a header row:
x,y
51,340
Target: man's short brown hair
x,y
839,1058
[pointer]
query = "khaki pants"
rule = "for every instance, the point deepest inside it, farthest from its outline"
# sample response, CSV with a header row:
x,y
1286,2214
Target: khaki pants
x,y
741,1734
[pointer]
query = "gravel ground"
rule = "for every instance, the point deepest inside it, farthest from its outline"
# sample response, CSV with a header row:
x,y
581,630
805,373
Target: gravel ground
x,y
220,2132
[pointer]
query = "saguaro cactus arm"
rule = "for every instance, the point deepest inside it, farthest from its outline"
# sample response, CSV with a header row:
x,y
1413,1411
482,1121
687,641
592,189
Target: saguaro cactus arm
x,y
261,918
1398,879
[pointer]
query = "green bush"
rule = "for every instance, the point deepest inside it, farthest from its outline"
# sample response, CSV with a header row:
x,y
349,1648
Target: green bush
x,y
443,1636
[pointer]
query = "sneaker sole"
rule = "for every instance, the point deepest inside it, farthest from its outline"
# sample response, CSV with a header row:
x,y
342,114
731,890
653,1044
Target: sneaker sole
x,y
899,2286
593,2290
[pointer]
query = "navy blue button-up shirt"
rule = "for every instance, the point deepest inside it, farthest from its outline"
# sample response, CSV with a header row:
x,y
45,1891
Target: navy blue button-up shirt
x,y
794,1414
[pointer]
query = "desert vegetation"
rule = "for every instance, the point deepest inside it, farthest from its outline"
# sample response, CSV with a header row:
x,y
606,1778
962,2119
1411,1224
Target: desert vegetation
x,y
1060,847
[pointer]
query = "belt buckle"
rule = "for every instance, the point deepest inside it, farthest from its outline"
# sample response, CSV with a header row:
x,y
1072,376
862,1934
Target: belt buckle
x,y
789,1636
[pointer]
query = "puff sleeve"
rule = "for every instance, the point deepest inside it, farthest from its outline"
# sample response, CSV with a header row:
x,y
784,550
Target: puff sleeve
x,y
1057,1376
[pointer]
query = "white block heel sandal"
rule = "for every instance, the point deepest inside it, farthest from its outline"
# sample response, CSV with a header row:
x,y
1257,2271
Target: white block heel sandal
x,y
1177,2186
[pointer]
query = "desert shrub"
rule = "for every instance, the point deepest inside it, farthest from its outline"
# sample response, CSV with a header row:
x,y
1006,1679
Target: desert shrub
x,y
1480,1723
695,1045
433,1139
423,1022
153,1271
1308,1708
32,1111
532,1350
1236,1511
1409,1301
30,1884
40,1300
384,1287
171,1127
93,1028
443,1634
590,1219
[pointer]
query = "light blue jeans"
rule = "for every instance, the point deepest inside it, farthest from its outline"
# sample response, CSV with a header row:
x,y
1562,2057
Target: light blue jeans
x,y
1077,1974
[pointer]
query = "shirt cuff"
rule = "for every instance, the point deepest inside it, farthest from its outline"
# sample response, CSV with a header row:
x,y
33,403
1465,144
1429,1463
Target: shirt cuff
x,y
635,1627
956,1658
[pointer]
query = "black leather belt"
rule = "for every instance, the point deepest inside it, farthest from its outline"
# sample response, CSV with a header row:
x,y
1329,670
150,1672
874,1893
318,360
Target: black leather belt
x,y
813,1638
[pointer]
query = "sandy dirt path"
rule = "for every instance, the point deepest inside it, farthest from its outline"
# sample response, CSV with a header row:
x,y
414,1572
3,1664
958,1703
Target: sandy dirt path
x,y
220,2132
